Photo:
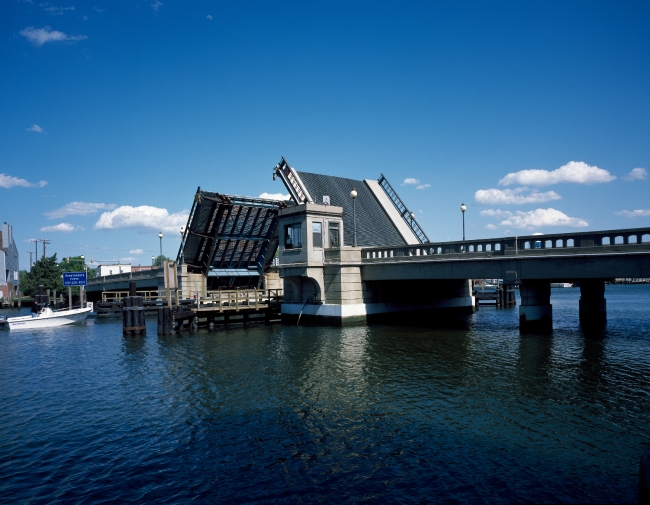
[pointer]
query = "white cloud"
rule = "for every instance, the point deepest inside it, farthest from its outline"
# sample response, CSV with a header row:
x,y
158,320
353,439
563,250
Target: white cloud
x,y
9,181
62,227
495,213
56,10
156,5
143,217
136,251
513,196
274,196
491,226
35,128
209,16
423,186
636,174
411,180
634,213
78,209
39,36
542,217
576,172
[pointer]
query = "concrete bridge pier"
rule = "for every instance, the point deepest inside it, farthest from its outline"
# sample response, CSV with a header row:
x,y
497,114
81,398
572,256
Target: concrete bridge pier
x,y
535,311
593,306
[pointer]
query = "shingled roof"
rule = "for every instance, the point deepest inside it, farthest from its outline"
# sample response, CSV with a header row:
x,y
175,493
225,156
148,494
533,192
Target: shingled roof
x,y
374,227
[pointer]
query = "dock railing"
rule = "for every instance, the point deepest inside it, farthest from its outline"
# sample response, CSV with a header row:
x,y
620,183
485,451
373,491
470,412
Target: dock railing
x,y
237,299
118,296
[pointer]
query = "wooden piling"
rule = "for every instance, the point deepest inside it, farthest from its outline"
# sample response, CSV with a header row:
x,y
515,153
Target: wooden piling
x,y
133,321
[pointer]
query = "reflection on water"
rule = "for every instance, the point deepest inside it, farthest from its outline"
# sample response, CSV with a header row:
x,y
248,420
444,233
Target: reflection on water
x,y
383,413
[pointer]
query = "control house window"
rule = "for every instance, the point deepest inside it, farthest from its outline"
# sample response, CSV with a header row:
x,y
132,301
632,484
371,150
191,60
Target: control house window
x,y
334,235
292,236
317,234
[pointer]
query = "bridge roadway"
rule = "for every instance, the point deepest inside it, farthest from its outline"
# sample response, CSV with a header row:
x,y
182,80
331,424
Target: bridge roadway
x,y
533,262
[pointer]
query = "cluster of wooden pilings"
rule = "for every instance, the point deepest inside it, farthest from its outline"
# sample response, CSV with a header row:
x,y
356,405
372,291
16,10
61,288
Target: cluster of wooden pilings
x,y
133,322
172,319
42,299
503,296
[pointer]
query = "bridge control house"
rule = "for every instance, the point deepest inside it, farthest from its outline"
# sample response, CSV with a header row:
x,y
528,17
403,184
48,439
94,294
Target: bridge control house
x,y
320,254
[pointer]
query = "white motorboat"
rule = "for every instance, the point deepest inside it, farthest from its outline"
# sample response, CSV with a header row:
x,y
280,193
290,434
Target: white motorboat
x,y
47,318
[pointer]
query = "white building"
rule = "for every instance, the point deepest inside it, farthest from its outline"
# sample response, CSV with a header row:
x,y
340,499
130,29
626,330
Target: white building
x,y
9,268
113,269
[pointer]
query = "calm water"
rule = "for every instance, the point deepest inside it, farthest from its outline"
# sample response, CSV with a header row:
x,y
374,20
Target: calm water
x,y
271,414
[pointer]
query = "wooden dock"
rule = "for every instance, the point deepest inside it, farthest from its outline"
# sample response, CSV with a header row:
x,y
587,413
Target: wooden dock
x,y
223,307
500,297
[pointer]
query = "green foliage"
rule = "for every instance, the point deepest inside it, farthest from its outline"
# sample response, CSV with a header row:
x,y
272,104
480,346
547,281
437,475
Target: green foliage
x,y
72,264
45,271
158,262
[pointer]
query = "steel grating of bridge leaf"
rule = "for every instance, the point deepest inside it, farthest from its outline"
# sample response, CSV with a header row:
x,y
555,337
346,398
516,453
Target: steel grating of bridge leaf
x,y
230,239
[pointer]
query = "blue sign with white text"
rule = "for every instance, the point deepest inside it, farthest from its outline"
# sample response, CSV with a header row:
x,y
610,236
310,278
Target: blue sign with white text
x,y
74,278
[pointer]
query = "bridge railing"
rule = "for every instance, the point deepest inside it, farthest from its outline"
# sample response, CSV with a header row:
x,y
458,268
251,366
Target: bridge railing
x,y
100,280
529,245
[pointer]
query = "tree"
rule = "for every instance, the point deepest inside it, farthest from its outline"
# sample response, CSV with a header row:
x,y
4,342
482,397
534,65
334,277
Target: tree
x,y
158,262
45,271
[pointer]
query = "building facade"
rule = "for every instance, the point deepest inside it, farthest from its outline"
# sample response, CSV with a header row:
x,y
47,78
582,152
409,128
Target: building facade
x,y
114,269
9,264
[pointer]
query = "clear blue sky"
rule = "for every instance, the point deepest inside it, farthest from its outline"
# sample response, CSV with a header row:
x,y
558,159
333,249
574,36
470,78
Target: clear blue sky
x,y
127,107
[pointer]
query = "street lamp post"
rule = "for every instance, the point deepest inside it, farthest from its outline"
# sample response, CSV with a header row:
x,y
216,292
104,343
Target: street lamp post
x,y
152,260
161,256
463,208
354,194
182,251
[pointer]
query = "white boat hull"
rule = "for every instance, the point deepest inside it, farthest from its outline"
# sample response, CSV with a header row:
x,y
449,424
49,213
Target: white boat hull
x,y
50,320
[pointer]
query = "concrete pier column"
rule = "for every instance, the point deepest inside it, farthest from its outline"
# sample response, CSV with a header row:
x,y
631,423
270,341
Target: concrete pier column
x,y
535,311
593,306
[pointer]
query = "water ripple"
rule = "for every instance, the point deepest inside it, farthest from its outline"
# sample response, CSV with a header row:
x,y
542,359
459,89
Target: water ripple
x,y
270,414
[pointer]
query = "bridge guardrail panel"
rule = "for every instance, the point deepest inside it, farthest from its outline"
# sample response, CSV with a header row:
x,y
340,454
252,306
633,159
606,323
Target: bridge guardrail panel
x,y
606,241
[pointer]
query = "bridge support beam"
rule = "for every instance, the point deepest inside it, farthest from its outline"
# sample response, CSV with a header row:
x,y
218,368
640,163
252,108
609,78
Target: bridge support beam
x,y
535,311
593,306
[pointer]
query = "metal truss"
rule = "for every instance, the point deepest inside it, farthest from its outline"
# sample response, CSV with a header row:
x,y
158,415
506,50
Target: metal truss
x,y
230,239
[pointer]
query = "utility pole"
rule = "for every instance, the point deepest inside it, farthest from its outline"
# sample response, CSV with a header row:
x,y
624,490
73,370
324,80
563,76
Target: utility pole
x,y
30,260
45,242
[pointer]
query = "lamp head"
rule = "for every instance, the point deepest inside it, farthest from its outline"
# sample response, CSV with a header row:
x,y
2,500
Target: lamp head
x,y
182,230
353,193
412,215
463,208
160,235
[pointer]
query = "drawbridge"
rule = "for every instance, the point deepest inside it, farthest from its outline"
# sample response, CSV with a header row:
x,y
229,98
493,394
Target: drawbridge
x,y
231,240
